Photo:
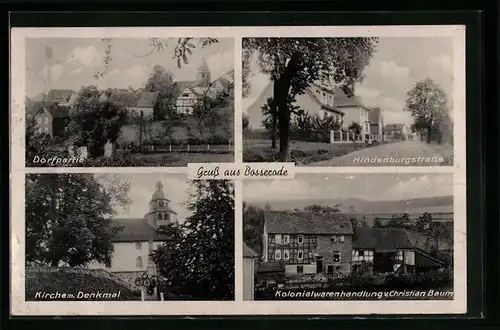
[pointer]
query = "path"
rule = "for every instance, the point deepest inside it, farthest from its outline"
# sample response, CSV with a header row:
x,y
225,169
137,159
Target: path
x,y
405,153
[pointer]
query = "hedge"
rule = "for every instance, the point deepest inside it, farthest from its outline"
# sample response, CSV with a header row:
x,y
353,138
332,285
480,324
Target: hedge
x,y
73,281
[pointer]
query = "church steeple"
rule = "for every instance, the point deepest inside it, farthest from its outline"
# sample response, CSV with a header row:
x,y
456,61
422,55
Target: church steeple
x,y
203,74
160,213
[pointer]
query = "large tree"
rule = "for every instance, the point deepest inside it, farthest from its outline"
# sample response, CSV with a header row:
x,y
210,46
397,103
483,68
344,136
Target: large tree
x,y
198,258
428,105
294,63
94,123
162,81
68,217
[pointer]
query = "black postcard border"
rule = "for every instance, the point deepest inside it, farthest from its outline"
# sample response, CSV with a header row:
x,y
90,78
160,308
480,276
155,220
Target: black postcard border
x,y
482,285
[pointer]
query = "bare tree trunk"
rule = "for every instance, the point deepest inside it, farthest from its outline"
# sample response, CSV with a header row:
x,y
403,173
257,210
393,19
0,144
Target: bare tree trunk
x,y
274,112
283,88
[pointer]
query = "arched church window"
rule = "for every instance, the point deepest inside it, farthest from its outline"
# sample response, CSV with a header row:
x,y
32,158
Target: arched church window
x,y
138,262
159,216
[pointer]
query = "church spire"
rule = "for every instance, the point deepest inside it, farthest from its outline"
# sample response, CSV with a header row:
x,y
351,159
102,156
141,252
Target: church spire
x,y
203,74
159,186
158,194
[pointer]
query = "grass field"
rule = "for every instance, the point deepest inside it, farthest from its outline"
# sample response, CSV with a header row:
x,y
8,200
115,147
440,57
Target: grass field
x,y
301,152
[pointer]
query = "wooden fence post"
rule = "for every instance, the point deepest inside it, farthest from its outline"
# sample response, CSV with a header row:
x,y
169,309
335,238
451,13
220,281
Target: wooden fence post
x,y
162,297
208,146
143,295
169,148
189,147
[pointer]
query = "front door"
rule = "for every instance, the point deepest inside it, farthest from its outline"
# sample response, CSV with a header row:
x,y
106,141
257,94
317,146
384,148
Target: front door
x,y
319,264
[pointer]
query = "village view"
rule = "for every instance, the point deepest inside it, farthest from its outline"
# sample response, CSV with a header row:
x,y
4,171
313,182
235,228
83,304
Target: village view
x,y
133,102
310,239
348,101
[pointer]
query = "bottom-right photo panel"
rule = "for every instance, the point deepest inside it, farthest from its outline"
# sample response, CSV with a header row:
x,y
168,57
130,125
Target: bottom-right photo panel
x,y
349,237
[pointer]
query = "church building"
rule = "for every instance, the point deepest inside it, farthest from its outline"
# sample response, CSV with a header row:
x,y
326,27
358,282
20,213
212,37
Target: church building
x,y
138,237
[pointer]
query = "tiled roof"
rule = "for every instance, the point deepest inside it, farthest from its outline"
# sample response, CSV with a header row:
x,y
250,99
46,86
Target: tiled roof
x,y
147,99
382,239
59,94
284,222
201,91
324,106
342,100
248,252
135,230
53,108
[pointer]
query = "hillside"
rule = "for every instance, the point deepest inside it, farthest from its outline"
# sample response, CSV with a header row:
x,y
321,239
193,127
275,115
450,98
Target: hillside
x,y
352,205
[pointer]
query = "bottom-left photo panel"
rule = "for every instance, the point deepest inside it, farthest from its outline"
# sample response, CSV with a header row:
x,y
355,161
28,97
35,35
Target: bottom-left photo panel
x,y
116,237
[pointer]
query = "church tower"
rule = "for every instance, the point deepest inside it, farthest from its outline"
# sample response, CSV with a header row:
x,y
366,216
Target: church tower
x,y
203,74
160,213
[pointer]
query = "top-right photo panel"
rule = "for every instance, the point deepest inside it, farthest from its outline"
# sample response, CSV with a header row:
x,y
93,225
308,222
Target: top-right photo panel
x,y
349,101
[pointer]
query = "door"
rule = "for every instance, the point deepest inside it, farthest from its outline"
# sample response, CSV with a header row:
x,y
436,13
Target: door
x,y
319,264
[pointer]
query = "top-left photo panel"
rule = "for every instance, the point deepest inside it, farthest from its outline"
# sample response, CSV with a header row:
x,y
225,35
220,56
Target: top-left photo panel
x,y
122,102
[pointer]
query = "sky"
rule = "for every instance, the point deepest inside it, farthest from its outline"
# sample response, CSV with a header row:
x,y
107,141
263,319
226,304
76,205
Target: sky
x,y
397,64
176,188
75,60
345,186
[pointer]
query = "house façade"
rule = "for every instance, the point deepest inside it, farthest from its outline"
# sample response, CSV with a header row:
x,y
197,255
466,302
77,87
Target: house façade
x,y
308,243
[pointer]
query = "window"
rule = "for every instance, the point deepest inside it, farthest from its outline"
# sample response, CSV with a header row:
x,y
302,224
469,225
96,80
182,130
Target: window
x,y
300,239
286,255
361,253
138,246
300,255
300,269
159,216
138,262
185,94
336,257
108,264
161,203
329,269
400,255
286,239
46,120
337,239
46,129
277,254
278,238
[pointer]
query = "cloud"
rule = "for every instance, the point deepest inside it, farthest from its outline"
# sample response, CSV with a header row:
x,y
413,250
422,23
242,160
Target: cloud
x,y
220,63
389,69
75,71
88,56
135,76
438,184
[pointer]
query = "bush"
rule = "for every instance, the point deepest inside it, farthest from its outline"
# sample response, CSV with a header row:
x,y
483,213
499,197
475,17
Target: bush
x,y
418,281
73,281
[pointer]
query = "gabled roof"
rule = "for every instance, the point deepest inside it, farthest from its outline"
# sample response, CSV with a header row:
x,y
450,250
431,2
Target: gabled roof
x,y
183,84
55,110
382,239
285,222
324,106
135,230
203,91
249,252
147,99
59,94
342,100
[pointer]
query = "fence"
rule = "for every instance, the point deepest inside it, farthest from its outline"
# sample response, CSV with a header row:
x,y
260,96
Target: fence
x,y
188,148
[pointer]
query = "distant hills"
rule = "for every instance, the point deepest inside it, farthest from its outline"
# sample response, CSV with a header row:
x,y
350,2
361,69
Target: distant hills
x,y
354,205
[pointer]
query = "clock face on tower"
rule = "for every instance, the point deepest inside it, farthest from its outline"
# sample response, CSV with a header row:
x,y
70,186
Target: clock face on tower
x,y
161,203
